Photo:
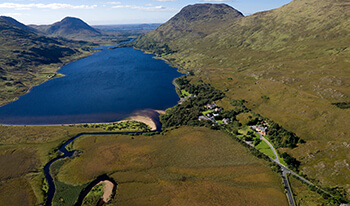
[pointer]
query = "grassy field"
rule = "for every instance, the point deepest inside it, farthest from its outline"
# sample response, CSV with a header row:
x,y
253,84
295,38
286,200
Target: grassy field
x,y
187,166
265,148
23,153
303,196
185,93
180,167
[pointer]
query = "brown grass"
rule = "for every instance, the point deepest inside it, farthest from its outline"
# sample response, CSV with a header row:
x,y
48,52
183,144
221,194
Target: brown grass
x,y
23,153
17,192
187,166
17,162
38,134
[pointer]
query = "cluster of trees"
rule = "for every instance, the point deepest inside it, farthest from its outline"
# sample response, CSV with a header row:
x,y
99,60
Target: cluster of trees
x,y
281,137
121,126
239,104
187,113
160,49
205,92
94,196
290,161
338,197
342,105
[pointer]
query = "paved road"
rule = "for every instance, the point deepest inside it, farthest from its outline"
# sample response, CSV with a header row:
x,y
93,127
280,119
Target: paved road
x,y
284,169
287,186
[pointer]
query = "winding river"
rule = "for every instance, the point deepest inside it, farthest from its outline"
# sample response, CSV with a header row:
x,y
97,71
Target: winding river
x,y
69,154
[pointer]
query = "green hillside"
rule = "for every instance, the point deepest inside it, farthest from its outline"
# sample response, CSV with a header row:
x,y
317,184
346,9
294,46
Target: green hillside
x,y
191,23
28,59
296,57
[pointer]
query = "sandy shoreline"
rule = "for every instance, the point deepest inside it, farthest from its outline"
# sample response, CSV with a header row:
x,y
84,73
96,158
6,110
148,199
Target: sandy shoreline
x,y
149,117
107,190
142,119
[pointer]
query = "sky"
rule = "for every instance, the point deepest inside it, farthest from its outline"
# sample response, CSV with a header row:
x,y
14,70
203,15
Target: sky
x,y
105,12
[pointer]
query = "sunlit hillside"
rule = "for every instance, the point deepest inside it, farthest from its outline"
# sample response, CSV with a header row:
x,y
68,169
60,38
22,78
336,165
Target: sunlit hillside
x,y
296,57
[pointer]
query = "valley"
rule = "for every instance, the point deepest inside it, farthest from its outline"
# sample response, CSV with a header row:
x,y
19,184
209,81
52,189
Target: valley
x,y
284,70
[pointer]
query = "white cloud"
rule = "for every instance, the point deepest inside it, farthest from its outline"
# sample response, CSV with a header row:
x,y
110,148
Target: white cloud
x,y
11,14
216,0
166,0
17,6
143,8
114,2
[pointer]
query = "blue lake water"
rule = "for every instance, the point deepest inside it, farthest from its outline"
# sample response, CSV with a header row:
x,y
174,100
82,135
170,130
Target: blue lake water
x,y
106,86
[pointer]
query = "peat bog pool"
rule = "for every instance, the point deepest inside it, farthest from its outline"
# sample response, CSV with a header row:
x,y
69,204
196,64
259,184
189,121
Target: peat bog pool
x,y
107,86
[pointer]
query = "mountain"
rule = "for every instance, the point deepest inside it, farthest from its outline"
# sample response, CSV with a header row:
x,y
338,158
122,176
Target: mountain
x,y
290,64
71,28
192,22
298,21
14,22
28,58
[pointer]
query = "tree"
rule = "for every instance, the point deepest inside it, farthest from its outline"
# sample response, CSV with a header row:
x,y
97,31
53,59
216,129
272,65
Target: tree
x,y
256,141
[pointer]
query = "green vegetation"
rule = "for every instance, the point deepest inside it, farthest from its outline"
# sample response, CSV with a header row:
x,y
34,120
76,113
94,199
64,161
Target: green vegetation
x,y
240,117
281,137
66,194
187,113
94,196
342,105
125,126
290,161
265,148
207,112
185,93
297,56
303,196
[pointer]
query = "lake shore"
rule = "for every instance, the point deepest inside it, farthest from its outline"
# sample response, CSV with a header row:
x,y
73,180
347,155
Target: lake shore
x,y
149,117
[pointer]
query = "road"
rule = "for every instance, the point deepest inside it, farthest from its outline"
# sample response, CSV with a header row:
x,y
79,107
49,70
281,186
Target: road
x,y
284,169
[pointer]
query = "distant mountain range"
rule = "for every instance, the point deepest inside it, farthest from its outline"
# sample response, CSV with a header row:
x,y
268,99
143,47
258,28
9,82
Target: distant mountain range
x,y
69,27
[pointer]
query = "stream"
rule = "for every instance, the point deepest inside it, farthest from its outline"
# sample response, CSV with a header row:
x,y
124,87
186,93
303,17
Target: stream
x,y
70,154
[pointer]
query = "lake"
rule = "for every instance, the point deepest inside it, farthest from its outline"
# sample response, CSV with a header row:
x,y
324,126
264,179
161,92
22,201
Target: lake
x,y
104,87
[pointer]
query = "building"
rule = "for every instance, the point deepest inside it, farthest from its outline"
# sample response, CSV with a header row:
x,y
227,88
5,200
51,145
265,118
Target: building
x,y
262,130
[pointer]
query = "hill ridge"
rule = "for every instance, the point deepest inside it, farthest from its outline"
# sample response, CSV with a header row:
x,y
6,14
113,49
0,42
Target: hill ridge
x,y
69,27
